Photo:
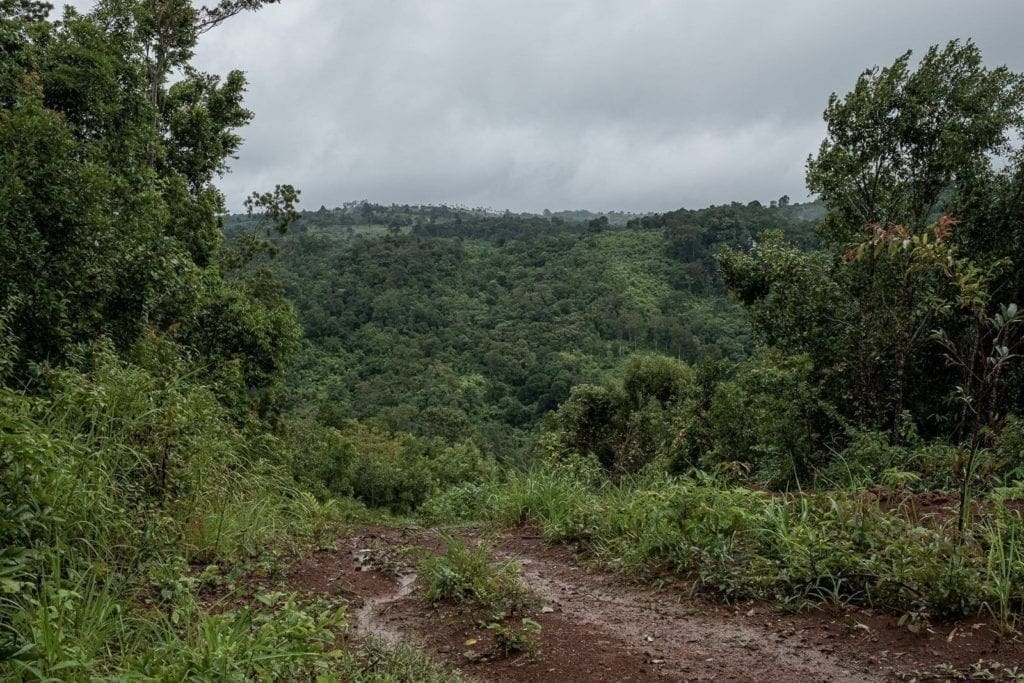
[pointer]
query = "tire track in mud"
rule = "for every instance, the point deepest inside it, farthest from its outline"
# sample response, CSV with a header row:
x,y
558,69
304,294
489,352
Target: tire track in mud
x,y
594,616
601,626
686,645
370,621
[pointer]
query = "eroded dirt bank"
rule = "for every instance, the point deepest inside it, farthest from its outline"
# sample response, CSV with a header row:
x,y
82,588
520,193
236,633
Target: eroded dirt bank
x,y
599,626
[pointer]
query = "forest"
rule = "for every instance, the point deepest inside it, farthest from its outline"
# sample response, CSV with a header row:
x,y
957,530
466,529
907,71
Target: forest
x,y
804,410
474,328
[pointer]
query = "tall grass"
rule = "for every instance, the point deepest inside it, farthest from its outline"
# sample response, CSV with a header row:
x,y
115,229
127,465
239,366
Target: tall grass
x,y
1003,535
798,550
115,480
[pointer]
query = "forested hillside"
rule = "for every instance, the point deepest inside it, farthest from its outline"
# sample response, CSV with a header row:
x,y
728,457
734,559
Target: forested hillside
x,y
467,325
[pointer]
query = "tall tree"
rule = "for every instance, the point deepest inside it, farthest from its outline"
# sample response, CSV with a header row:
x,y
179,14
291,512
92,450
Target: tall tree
x,y
109,218
905,145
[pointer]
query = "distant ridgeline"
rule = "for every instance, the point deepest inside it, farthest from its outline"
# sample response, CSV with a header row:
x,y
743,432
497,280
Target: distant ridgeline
x,y
472,324
735,224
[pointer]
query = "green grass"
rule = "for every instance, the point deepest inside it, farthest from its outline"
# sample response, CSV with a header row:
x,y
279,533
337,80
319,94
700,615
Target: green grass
x,y
376,662
467,575
80,630
114,482
796,550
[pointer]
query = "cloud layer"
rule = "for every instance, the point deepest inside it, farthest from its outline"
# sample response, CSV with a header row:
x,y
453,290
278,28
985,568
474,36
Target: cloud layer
x,y
532,104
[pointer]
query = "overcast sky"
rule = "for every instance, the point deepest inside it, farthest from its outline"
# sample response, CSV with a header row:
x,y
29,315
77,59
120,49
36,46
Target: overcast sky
x,y
561,104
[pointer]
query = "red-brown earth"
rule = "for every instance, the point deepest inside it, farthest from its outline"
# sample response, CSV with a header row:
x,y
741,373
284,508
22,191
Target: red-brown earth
x,y
601,626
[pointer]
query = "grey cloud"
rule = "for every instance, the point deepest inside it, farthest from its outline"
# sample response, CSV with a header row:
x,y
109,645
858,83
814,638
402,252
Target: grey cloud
x,y
531,104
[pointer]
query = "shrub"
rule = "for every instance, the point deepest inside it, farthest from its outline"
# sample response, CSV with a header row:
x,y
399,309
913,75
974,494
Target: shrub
x,y
1008,451
397,471
463,502
114,471
589,422
465,575
664,379
624,428
323,460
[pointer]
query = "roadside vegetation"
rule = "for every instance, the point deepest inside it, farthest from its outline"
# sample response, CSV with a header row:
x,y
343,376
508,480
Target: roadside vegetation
x,y
797,550
143,449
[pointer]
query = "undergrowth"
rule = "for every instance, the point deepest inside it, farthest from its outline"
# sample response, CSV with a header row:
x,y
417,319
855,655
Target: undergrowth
x,y
466,575
114,483
797,550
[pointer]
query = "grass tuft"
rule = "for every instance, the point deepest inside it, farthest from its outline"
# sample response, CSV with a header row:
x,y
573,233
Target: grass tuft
x,y
466,575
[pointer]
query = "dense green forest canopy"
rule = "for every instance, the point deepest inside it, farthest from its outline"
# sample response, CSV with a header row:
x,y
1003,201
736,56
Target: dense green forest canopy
x,y
467,324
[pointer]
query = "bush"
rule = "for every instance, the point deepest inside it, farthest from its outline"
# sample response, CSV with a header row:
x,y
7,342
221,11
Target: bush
x,y
396,471
664,379
323,458
590,423
1008,451
463,502
116,470
625,428
766,420
769,417
465,575
871,458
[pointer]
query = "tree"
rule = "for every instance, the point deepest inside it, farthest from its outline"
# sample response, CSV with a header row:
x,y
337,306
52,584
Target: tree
x,y
903,145
903,138
985,346
109,219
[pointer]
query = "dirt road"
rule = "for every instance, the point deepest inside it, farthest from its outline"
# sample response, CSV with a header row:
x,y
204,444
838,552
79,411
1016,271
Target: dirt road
x,y
599,626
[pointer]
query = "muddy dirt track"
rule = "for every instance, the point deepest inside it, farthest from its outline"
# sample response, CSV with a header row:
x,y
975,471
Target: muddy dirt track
x,y
599,626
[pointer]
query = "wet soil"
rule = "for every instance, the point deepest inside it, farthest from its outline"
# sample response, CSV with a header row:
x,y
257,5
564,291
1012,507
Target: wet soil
x,y
601,626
